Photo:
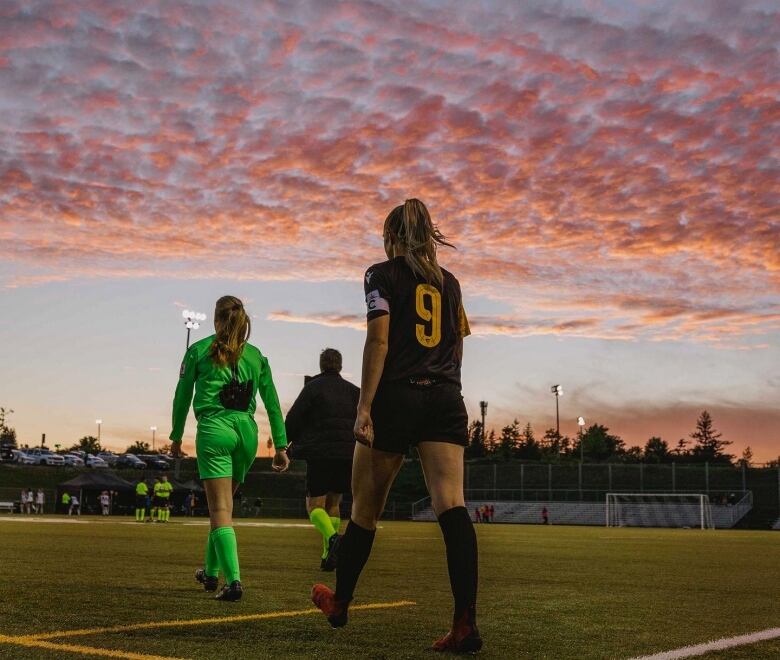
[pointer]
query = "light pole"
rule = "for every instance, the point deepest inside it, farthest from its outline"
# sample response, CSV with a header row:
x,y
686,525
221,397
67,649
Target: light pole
x,y
557,390
483,409
98,422
153,429
191,321
581,424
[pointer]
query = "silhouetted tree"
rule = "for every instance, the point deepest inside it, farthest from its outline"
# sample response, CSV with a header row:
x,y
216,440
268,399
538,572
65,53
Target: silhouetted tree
x,y
88,444
476,447
509,440
7,434
528,448
138,447
600,445
747,457
657,451
708,445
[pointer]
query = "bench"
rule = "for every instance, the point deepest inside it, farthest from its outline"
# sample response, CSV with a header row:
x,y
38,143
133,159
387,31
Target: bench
x,y
7,506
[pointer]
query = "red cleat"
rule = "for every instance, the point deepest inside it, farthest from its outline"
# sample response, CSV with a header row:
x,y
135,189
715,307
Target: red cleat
x,y
463,637
325,598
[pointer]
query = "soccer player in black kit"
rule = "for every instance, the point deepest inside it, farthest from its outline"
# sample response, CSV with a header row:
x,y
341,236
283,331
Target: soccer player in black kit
x,y
411,396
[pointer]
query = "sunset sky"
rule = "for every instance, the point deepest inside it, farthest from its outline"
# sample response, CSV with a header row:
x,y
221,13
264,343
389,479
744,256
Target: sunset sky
x,y
608,170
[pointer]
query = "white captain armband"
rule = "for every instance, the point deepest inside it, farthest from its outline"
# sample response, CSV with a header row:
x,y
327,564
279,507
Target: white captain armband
x,y
376,303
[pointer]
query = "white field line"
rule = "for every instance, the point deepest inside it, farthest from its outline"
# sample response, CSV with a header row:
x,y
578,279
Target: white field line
x,y
199,523
717,645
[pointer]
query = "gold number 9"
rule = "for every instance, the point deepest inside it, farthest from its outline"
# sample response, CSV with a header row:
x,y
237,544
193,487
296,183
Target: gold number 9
x,y
430,313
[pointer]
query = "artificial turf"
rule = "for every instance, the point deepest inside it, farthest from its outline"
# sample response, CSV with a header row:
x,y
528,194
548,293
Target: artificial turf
x,y
545,592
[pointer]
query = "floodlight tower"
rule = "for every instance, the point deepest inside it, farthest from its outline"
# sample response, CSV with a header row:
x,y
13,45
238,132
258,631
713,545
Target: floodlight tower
x,y
557,390
191,321
581,424
483,409
99,422
153,429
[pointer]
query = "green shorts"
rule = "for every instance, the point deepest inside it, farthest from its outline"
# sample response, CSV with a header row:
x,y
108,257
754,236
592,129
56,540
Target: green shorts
x,y
226,445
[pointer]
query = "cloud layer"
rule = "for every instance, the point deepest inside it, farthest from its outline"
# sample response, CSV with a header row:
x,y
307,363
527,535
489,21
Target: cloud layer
x,y
605,170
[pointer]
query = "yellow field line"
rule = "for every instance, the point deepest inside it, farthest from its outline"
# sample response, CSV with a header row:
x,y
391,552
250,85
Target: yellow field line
x,y
31,642
200,622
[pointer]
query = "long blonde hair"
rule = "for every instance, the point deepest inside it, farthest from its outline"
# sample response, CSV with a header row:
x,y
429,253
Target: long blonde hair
x,y
233,328
410,225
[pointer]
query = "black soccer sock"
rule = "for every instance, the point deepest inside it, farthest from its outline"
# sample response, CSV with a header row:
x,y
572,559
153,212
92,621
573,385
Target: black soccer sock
x,y
353,551
461,542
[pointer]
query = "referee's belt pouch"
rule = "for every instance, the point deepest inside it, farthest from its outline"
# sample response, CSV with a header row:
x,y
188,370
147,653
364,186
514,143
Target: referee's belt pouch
x,y
236,395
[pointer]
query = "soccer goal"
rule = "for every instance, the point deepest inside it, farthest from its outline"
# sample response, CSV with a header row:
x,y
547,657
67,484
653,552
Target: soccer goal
x,y
659,510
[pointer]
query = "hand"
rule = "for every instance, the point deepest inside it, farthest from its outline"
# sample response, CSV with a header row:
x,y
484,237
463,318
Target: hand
x,y
176,450
281,461
364,427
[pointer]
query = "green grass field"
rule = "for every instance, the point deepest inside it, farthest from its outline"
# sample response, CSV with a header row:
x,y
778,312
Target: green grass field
x,y
545,592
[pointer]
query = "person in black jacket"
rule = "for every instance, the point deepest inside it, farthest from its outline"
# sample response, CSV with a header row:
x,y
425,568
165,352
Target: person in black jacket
x,y
319,429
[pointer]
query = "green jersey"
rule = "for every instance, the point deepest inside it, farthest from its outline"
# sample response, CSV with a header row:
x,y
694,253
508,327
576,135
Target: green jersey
x,y
199,372
65,498
141,489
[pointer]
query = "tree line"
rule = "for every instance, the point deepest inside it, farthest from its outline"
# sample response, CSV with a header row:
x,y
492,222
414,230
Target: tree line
x,y
596,445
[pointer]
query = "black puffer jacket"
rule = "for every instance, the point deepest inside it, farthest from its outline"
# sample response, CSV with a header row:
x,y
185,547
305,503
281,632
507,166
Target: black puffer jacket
x,y
321,421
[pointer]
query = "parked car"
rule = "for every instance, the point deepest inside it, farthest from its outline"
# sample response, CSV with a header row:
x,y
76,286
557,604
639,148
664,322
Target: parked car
x,y
130,461
44,456
155,461
108,456
73,460
21,457
95,462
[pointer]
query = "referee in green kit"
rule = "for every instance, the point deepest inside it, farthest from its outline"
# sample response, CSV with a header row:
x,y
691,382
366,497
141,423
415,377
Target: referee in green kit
x,y
226,372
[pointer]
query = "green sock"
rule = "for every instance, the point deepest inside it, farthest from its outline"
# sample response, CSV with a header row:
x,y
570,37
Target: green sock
x,y
167,514
139,515
321,520
211,565
227,550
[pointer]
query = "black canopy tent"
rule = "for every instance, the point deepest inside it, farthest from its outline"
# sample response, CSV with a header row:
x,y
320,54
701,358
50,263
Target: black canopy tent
x,y
181,489
89,485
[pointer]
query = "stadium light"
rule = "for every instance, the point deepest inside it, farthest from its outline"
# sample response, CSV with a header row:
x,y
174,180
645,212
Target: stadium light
x,y
557,390
483,408
192,321
153,429
98,422
581,424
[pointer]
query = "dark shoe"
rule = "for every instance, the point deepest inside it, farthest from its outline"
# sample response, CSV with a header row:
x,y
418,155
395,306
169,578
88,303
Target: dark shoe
x,y
325,598
210,583
463,637
230,593
330,562
323,564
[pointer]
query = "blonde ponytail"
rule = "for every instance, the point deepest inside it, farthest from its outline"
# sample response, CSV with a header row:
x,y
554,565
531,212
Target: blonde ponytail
x,y
411,226
233,328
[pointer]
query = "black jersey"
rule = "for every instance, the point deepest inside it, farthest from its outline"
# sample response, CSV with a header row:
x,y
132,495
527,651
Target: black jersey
x,y
427,322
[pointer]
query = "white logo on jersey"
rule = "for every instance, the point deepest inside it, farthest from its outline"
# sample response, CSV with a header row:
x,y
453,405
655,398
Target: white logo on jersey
x,y
368,276
375,301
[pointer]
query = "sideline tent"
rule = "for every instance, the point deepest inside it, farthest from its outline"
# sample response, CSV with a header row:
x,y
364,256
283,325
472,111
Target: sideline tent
x,y
89,485
180,491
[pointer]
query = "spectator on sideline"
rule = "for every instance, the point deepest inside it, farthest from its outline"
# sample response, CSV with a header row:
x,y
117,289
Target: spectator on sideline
x,y
141,494
23,501
189,504
74,505
105,502
65,502
477,516
40,500
319,429
492,513
545,517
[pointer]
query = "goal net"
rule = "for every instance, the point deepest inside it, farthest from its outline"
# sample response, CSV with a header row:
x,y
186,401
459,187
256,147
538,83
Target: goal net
x,y
658,510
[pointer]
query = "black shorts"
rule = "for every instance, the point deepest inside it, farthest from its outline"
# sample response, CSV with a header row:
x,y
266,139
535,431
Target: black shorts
x,y
140,501
159,501
328,476
405,414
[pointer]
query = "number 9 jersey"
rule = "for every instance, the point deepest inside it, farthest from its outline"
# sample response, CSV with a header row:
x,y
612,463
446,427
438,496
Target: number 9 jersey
x,y
427,322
